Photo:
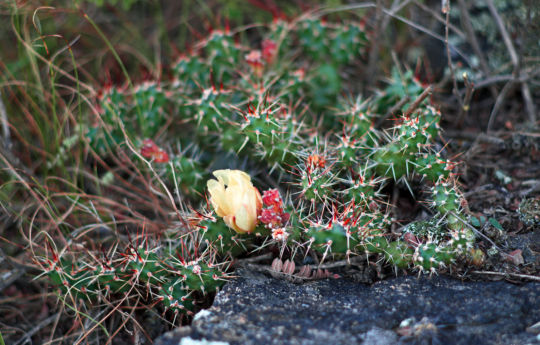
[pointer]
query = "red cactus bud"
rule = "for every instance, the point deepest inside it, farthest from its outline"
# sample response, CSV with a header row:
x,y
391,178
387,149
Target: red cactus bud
x,y
269,50
273,216
271,197
150,150
316,161
411,240
255,60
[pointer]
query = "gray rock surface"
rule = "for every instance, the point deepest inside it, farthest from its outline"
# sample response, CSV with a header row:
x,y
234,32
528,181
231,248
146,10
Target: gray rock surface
x,y
256,309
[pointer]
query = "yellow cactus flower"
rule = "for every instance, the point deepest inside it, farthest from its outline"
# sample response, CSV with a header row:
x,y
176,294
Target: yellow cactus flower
x,y
235,199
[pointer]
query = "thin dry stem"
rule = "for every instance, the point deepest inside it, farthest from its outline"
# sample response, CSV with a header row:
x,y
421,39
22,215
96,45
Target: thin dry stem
x,y
392,110
466,101
5,124
471,37
374,50
455,91
27,337
418,101
499,103
526,93
508,274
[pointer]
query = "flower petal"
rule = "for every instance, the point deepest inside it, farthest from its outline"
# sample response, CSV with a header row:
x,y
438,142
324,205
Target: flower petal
x,y
244,219
232,177
235,197
259,200
218,197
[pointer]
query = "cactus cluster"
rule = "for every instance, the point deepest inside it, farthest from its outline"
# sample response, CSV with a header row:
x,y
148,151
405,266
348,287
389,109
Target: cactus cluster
x,y
145,271
280,106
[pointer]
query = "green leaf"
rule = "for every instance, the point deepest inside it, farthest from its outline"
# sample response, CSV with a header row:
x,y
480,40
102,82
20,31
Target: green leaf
x,y
496,224
475,222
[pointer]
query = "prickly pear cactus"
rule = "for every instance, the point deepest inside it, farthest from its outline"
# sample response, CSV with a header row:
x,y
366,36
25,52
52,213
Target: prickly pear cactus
x,y
158,275
281,109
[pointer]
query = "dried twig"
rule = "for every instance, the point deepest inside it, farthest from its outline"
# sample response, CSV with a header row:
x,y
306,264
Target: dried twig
x,y
508,274
499,103
5,124
342,263
535,187
455,91
526,93
529,104
471,38
392,110
439,18
27,337
466,101
55,325
525,76
131,147
9,277
419,100
374,51
463,221
504,33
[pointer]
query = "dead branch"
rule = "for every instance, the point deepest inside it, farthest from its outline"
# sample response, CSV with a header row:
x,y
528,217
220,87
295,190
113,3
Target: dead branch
x,y
508,274
471,38
419,100
27,337
455,91
526,93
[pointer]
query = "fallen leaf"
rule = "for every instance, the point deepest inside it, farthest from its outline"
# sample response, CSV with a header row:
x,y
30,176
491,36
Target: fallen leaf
x,y
515,257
